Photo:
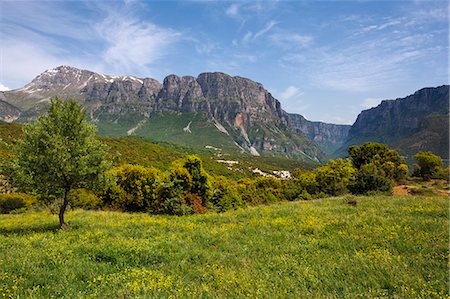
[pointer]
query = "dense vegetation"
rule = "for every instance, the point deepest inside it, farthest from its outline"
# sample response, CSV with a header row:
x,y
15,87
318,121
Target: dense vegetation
x,y
173,182
384,247
347,246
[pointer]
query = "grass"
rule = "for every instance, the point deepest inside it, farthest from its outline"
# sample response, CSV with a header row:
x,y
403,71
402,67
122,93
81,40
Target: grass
x,y
386,247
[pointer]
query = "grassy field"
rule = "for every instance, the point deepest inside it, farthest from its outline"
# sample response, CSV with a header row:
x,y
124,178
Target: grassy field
x,y
388,247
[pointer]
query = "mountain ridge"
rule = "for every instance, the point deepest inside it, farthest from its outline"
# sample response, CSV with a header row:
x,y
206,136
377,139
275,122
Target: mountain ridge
x,y
236,106
418,122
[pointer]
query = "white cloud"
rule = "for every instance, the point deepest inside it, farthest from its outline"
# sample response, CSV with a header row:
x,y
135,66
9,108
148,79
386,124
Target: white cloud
x,y
3,87
290,93
115,41
370,102
265,29
249,36
360,64
23,60
133,44
233,10
288,40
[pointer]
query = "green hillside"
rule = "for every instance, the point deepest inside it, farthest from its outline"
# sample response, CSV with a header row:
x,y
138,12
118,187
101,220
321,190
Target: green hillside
x,y
384,247
137,150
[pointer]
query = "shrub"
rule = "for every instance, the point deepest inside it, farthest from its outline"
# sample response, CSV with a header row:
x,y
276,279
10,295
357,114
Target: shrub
x,y
304,195
200,182
187,188
301,181
373,152
428,165
334,177
15,202
442,174
261,190
175,206
401,172
225,195
85,199
133,188
369,178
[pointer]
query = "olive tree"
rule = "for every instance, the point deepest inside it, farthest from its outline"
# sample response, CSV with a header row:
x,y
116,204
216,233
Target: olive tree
x,y
59,152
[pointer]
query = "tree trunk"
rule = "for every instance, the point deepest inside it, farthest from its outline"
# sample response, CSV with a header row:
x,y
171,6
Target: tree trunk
x,y
62,224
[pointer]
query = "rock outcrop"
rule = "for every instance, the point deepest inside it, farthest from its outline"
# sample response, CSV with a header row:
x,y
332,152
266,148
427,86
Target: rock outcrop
x,y
416,122
238,107
329,137
8,112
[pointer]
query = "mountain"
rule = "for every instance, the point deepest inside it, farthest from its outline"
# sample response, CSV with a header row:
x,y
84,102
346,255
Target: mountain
x,y
329,137
8,112
214,110
419,122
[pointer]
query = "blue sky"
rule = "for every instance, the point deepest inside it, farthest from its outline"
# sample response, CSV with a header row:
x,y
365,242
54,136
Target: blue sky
x,y
326,60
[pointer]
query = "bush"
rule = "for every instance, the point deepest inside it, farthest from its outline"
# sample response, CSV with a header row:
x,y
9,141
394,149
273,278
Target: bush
x,y
225,195
187,188
442,174
370,179
301,180
334,177
304,195
85,199
133,188
175,206
15,202
261,190
428,165
200,182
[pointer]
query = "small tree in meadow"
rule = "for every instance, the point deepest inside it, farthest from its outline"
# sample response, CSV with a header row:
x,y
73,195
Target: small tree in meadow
x,y
59,152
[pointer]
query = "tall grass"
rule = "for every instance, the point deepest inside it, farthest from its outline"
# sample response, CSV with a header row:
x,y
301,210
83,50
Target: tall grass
x,y
381,247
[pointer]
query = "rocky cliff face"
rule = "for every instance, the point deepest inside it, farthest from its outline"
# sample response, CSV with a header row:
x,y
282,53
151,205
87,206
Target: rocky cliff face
x,y
329,137
416,122
238,107
8,113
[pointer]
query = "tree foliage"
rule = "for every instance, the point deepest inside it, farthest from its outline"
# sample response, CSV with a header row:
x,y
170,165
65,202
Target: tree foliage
x,y
133,188
59,152
334,177
385,159
370,178
428,165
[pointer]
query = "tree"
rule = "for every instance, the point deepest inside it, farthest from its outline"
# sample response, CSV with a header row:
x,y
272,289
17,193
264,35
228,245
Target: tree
x,y
370,178
59,152
200,182
428,164
380,155
335,177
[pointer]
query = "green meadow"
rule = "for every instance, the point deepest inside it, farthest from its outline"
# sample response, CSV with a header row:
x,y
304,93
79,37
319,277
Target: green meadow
x,y
380,247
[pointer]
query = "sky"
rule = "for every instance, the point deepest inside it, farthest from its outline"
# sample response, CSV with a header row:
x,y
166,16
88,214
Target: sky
x,y
326,60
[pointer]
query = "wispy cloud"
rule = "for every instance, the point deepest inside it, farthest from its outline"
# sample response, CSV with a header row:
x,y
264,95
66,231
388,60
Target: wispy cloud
x,y
249,36
289,93
265,29
291,99
288,40
132,43
370,102
365,62
111,39
233,10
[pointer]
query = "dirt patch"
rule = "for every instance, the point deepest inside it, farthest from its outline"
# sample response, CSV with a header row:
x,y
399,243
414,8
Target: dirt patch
x,y
400,190
426,189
